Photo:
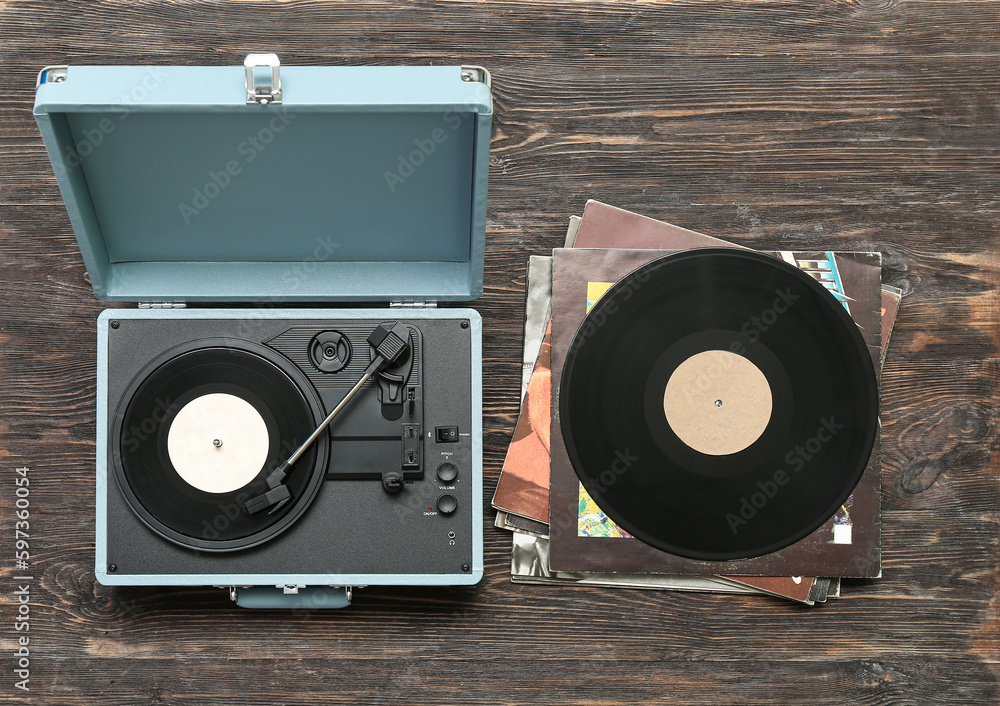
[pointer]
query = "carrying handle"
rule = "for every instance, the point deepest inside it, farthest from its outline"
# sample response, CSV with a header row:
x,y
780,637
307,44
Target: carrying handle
x,y
303,598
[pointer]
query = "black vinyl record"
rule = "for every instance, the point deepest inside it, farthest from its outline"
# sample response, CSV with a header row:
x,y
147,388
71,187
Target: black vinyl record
x,y
177,510
636,410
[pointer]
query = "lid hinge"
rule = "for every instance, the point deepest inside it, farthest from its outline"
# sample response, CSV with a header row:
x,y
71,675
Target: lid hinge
x,y
412,305
51,74
478,74
162,305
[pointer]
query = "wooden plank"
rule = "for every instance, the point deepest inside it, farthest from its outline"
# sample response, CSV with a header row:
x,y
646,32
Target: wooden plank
x,y
873,679
851,124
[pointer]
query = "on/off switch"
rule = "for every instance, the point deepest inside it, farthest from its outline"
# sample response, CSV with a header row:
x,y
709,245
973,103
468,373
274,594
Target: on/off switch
x,y
446,435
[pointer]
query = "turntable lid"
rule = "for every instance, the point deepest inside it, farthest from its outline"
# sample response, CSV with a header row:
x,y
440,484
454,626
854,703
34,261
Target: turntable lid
x,y
361,184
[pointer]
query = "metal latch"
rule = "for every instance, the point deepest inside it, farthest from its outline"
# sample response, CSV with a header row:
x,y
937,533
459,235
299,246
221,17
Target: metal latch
x,y
263,94
162,305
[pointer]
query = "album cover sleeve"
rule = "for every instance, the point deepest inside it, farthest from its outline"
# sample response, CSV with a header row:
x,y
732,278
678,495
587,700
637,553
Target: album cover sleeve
x,y
523,486
604,226
536,313
891,298
583,539
539,299
522,525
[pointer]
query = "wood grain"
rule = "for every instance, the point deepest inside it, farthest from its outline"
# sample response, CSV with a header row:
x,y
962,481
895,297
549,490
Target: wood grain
x,y
843,124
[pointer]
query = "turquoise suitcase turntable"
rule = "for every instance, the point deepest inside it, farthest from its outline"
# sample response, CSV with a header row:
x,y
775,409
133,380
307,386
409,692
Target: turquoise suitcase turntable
x,y
285,453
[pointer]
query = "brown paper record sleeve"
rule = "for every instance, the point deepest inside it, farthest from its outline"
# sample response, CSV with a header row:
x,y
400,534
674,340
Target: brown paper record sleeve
x,y
816,555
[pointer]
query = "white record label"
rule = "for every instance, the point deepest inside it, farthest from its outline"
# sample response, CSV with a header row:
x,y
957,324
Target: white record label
x,y
717,402
218,443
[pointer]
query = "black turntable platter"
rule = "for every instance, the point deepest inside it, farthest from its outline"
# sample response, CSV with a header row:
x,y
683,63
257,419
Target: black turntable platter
x,y
197,432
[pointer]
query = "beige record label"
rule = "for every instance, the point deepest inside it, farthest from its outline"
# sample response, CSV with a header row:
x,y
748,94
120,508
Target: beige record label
x,y
218,443
717,402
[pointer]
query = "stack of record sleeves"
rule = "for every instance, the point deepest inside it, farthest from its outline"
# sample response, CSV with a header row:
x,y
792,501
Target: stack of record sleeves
x,y
696,415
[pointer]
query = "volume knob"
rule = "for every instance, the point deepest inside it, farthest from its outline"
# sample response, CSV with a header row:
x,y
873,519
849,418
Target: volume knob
x,y
447,504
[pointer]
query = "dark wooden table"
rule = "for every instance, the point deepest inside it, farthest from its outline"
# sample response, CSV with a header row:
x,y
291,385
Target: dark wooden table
x,y
825,124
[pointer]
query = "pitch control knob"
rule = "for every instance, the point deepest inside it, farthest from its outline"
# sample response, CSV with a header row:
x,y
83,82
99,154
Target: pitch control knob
x,y
447,503
447,472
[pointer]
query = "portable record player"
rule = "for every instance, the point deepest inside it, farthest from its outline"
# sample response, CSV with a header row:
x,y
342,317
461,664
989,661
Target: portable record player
x,y
285,453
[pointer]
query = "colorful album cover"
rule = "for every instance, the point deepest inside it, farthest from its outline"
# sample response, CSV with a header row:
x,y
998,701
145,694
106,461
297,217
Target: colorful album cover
x,y
847,545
